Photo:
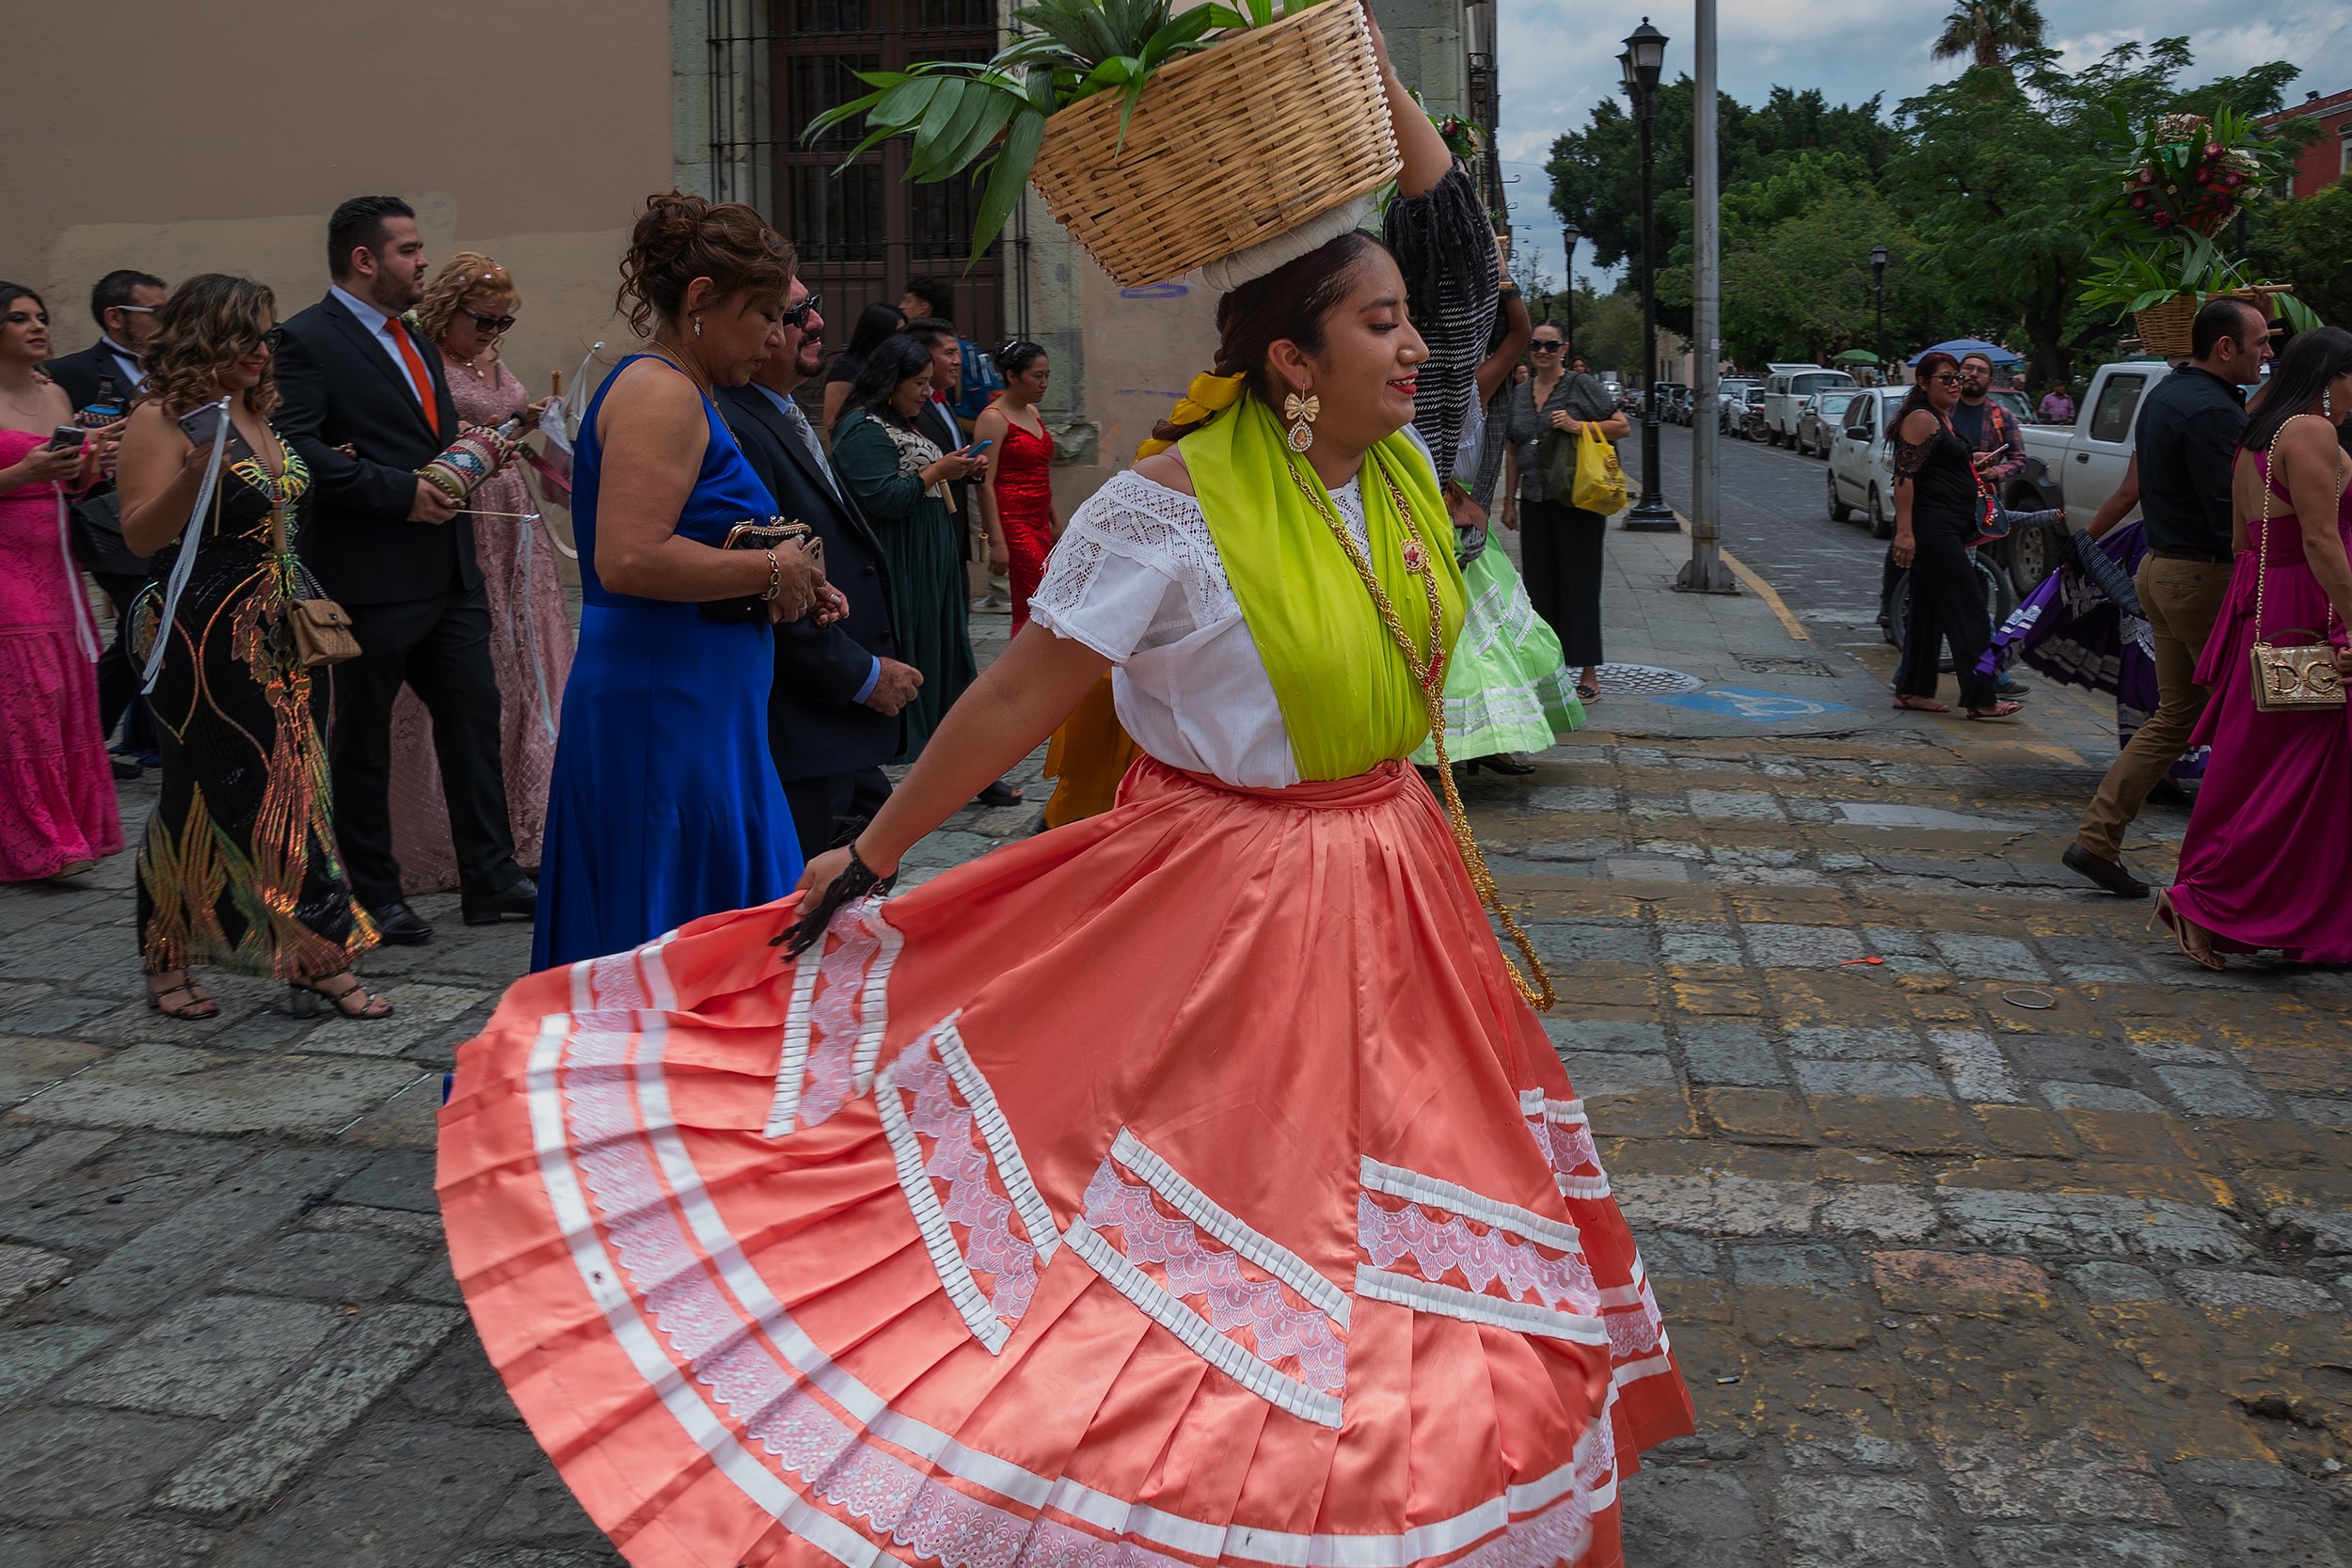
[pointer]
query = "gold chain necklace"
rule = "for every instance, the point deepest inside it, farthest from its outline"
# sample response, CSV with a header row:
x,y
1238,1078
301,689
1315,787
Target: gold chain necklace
x,y
1428,672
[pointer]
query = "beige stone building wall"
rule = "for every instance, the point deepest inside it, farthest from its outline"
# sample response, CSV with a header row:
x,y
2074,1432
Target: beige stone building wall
x,y
181,139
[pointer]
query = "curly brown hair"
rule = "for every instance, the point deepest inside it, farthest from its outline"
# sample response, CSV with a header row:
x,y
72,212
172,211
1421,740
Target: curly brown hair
x,y
210,322
468,275
679,238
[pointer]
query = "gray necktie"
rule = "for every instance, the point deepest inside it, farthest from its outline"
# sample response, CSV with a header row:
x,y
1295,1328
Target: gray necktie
x,y
797,422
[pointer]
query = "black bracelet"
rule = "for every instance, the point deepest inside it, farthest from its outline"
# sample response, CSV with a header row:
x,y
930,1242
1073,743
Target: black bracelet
x,y
854,882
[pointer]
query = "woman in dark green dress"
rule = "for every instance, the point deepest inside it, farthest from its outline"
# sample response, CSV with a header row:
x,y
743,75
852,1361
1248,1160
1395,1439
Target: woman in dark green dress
x,y
899,478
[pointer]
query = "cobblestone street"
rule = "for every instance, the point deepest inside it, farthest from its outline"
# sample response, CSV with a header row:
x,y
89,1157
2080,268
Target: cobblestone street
x,y
1990,1233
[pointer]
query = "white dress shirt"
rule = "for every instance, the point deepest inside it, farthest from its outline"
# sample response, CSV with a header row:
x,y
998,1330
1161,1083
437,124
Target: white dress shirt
x,y
372,322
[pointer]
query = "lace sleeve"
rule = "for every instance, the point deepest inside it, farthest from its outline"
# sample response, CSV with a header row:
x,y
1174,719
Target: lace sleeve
x,y
1910,456
1136,568
1445,246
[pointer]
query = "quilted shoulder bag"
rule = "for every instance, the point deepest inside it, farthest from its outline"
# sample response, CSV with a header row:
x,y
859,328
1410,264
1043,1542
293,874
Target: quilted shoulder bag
x,y
2291,677
321,628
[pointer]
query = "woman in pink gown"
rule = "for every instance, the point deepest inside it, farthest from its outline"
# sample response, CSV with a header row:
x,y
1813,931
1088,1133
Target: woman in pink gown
x,y
2268,853
57,811
468,306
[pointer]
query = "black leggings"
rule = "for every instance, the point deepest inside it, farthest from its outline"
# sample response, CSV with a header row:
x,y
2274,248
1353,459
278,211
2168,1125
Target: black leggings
x,y
1947,604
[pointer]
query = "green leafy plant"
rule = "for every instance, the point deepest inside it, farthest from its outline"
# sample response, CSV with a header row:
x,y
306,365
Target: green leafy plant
x,y
990,116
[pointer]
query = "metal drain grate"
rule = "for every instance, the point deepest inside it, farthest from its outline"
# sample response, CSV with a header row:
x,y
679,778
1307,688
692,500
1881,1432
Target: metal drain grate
x,y
1781,664
1649,679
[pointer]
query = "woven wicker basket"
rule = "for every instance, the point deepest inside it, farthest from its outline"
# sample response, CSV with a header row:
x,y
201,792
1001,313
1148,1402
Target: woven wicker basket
x,y
1233,146
2167,330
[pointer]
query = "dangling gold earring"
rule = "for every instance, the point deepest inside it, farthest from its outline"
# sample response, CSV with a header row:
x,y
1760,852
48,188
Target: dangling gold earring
x,y
1302,412
698,324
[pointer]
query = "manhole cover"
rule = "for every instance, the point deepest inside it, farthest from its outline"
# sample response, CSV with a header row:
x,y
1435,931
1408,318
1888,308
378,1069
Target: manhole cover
x,y
1781,664
1647,678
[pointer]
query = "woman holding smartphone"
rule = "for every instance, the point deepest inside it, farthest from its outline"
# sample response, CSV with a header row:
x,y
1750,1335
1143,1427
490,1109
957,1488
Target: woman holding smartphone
x,y
58,813
238,869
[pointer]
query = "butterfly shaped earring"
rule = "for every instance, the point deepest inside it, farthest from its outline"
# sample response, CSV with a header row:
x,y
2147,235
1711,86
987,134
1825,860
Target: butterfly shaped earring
x,y
1302,412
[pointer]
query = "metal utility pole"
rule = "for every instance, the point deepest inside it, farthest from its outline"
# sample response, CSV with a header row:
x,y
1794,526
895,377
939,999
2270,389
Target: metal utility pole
x,y
1705,572
1570,234
1645,56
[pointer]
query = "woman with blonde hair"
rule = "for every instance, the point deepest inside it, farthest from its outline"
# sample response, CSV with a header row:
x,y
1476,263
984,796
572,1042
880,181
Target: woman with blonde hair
x,y
468,308
238,868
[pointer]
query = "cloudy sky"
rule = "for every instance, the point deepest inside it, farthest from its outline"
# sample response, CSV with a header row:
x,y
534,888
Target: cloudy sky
x,y
1559,56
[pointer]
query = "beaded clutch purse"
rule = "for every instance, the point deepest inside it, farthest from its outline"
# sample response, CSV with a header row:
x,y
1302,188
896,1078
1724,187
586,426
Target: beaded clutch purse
x,y
761,536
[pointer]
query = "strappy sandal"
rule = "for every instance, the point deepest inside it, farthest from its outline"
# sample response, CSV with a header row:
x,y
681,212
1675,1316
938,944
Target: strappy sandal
x,y
310,998
1998,710
198,1006
1921,704
1587,692
2180,926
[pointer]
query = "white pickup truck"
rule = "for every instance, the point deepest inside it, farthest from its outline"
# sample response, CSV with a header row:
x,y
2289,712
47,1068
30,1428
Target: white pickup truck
x,y
2077,465
1786,388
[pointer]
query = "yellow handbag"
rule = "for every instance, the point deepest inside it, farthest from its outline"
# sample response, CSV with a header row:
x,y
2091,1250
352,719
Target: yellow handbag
x,y
2292,677
1600,482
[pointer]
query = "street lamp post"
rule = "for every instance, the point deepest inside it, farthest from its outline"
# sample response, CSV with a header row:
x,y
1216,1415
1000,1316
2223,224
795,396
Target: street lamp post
x,y
1878,281
1645,56
1570,234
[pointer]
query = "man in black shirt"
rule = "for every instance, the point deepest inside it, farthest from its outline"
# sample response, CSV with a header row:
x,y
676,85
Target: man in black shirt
x,y
2190,426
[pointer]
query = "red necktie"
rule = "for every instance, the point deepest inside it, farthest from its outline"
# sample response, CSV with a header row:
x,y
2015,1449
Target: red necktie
x,y
417,376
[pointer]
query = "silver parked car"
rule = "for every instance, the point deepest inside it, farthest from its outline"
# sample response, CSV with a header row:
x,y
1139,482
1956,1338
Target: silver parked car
x,y
1821,420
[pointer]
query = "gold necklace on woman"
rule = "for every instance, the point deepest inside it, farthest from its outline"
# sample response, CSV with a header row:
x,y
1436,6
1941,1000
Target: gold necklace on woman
x,y
1428,672
656,346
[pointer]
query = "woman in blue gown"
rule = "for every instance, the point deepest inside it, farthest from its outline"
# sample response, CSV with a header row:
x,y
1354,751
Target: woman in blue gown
x,y
664,805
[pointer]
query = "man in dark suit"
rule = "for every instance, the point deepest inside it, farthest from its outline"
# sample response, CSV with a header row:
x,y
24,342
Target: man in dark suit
x,y
366,405
100,381
833,714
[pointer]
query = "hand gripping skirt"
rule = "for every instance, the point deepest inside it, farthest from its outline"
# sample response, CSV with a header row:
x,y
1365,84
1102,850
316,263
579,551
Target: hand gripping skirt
x,y
1186,1186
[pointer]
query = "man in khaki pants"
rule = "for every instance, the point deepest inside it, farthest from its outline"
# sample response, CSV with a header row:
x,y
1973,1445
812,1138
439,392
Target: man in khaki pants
x,y
2190,426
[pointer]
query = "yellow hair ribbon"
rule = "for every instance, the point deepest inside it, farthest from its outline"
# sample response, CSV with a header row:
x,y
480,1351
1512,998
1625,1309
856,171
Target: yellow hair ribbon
x,y
1209,395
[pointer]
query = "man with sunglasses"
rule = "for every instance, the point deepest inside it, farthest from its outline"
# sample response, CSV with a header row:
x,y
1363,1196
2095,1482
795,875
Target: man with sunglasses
x,y
101,381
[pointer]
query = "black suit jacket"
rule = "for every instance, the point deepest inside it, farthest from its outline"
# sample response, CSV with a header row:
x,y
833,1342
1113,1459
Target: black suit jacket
x,y
85,376
815,724
338,387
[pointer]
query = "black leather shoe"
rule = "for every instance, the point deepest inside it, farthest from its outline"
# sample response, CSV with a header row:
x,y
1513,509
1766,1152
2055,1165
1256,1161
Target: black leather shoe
x,y
400,925
519,897
999,794
2110,875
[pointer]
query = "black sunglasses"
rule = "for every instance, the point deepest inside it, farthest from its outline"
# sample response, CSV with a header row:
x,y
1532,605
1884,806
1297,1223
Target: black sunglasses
x,y
492,324
796,314
1541,347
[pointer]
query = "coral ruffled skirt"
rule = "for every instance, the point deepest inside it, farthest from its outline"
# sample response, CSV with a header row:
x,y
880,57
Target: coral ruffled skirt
x,y
1186,1186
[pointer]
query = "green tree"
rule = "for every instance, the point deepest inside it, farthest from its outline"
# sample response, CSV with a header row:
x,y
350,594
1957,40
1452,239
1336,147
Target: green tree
x,y
2303,243
1989,32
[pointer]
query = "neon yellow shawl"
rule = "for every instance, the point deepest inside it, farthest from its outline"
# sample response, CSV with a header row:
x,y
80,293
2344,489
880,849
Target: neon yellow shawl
x,y
1346,696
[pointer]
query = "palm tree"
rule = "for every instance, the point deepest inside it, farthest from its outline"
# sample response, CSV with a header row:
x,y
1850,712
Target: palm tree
x,y
1992,31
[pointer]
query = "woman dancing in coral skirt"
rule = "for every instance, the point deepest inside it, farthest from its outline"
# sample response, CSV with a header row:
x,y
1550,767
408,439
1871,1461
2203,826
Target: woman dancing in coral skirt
x,y
1242,1215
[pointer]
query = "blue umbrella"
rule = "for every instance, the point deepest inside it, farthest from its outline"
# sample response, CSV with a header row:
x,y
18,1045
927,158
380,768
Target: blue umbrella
x,y
1960,347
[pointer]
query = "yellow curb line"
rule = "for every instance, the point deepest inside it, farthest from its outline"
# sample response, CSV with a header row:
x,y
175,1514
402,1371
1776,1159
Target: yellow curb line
x,y
1758,586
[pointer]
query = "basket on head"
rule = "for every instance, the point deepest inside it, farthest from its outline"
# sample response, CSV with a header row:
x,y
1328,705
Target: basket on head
x,y
2165,328
1228,148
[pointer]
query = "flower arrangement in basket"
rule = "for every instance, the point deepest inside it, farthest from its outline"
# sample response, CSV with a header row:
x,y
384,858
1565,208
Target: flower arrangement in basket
x,y
2181,180
1066,104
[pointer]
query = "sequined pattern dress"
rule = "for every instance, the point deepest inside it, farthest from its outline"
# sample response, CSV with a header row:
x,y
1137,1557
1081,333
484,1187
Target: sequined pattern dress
x,y
239,868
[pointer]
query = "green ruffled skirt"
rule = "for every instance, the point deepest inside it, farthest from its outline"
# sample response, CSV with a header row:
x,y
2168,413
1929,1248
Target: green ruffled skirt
x,y
1506,689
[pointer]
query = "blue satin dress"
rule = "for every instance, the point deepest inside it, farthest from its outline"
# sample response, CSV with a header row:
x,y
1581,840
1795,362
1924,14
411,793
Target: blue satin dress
x,y
664,805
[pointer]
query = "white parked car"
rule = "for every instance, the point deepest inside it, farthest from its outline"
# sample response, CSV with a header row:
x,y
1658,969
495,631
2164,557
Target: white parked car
x,y
1861,470
1784,391
1822,419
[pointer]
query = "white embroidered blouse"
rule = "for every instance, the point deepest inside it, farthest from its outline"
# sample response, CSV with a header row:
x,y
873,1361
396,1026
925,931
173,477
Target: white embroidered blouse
x,y
1137,578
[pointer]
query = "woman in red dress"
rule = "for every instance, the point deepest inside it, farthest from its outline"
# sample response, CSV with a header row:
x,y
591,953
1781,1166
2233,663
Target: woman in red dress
x,y
1020,486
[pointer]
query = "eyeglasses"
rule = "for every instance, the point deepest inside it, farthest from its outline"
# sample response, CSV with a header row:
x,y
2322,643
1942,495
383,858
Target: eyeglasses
x,y
1946,378
492,324
18,318
794,315
134,309
1541,347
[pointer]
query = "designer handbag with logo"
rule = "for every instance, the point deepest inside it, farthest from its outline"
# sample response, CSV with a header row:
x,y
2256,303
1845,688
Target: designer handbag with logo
x,y
2291,677
321,628
761,536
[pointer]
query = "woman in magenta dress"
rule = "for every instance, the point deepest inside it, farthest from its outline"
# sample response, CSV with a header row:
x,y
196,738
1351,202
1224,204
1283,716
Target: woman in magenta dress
x,y
2268,853
1020,472
56,792
467,308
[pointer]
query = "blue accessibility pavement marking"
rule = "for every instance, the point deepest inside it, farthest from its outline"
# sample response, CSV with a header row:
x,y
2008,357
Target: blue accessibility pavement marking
x,y
1760,707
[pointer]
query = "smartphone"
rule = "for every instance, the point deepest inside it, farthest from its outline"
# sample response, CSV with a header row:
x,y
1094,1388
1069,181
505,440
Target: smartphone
x,y
203,424
977,447
67,437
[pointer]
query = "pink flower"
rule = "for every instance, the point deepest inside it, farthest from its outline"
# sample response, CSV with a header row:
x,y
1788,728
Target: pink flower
x,y
2139,202
2213,150
2161,218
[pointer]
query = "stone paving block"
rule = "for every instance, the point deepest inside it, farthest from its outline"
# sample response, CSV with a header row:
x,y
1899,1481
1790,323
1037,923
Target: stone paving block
x,y
539,1508
1681,947
1892,1080
400,1494
1572,798
2267,1292
222,1092
58,1014
2090,1222
35,1160
436,1283
353,1367
215,1231
2207,1091
60,1463
2270,1533
2024,1129
541,1556
1717,1205
2082,1547
144,1545
112,1185
210,1357
1671,1255
2097,1097
1790,1263
312,1265
1645,869
1736,1054
1906,1126
1679,1514
1859,1522
2321,1112
402,1180
26,1269
1756,1115
2107,1281
1593,1072
1976,1066
1605,1035
31,1355
1985,958
1889,941
1837,1043
1726,806
1880,1213
1575,943
459,1384
2001,1477
1929,1281
1800,946
29,1065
